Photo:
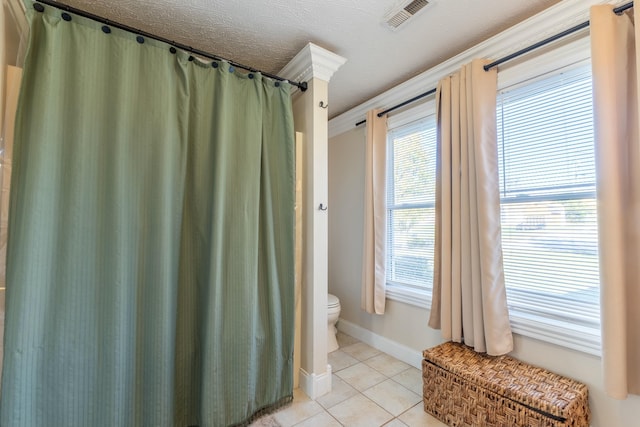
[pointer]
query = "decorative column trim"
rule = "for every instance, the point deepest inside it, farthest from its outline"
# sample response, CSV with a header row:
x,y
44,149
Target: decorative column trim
x,y
312,62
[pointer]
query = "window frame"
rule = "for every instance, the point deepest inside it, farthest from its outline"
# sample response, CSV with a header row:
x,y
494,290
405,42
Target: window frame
x,y
549,328
398,291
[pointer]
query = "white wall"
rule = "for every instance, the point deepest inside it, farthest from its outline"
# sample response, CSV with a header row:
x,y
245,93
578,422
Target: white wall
x,y
404,327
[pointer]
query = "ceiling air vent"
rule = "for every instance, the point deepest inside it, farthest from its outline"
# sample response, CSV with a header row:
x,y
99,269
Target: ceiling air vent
x,y
400,15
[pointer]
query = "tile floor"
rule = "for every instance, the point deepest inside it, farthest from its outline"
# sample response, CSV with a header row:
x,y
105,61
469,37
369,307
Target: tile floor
x,y
370,388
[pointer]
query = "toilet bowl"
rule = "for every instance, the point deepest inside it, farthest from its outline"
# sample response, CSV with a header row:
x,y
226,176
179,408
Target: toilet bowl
x,y
333,314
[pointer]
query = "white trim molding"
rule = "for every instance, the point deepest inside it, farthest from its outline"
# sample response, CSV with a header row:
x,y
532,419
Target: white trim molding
x,y
401,352
315,385
312,62
407,295
551,21
559,333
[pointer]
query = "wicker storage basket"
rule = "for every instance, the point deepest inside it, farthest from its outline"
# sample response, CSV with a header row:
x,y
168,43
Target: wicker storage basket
x,y
465,388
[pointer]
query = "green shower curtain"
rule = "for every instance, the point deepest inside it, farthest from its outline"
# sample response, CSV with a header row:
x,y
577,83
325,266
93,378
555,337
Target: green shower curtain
x,y
150,257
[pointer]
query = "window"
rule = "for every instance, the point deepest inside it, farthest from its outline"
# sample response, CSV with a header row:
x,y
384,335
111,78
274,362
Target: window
x,y
548,207
411,209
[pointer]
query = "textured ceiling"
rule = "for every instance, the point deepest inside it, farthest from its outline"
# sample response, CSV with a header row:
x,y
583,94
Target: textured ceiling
x,y
267,34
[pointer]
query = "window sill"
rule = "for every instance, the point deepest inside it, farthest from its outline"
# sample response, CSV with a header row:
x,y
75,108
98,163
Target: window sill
x,y
404,294
585,340
559,333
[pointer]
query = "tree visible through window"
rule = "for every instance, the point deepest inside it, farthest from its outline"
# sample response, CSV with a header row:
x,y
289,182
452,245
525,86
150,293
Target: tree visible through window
x,y
410,202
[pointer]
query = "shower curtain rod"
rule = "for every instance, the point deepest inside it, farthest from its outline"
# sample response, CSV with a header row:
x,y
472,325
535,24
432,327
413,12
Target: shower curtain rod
x,y
300,85
617,11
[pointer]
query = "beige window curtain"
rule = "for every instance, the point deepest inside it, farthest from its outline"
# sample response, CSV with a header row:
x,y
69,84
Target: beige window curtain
x,y
469,298
375,215
615,88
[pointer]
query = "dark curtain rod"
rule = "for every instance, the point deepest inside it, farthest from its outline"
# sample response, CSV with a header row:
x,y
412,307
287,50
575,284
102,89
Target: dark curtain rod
x,y
301,85
617,11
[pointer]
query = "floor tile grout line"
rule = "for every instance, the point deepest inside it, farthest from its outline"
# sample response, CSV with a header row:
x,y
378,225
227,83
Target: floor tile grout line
x,y
357,392
399,383
400,414
385,375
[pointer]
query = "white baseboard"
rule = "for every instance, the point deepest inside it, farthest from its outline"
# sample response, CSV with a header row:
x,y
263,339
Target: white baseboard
x,y
315,385
399,351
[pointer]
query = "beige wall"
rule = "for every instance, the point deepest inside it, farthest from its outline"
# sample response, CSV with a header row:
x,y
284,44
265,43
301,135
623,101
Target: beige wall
x,y
406,325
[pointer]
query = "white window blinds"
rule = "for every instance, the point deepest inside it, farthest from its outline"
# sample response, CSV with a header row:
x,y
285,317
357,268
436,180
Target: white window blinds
x,y
548,204
410,204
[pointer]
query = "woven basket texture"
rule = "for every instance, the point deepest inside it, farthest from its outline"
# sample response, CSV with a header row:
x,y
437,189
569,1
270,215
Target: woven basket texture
x,y
466,388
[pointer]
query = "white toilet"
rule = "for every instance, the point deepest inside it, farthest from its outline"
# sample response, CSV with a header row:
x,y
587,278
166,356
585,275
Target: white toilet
x,y
333,314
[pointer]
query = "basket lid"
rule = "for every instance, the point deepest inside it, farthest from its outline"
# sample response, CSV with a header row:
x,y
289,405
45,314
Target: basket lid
x,y
509,377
